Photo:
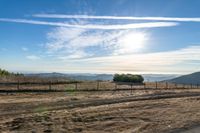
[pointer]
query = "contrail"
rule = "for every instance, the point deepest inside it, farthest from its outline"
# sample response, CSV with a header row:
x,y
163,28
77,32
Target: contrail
x,y
94,26
118,17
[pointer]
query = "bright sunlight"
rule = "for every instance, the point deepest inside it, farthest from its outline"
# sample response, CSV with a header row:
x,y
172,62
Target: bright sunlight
x,y
132,42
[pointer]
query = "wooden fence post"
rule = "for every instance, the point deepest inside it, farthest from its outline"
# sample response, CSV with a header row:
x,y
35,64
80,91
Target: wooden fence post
x,y
98,85
175,86
131,88
49,85
166,85
18,85
76,86
156,85
115,86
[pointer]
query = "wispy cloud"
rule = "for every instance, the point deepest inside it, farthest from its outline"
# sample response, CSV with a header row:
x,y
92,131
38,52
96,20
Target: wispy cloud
x,y
70,45
33,57
164,58
183,60
176,61
117,17
24,49
109,47
83,43
94,26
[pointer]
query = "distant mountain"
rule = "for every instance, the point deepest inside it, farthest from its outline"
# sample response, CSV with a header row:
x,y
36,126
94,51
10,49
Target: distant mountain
x,y
46,75
158,77
85,76
104,77
92,77
193,78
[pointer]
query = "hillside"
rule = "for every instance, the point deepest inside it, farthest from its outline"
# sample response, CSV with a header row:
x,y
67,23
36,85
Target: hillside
x,y
85,76
158,77
193,78
92,77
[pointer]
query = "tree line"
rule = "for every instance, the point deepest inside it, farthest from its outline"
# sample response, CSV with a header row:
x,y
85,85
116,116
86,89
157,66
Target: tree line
x,y
7,73
128,78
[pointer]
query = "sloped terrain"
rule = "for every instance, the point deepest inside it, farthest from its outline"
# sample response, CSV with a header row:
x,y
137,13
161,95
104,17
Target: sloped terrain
x,y
193,78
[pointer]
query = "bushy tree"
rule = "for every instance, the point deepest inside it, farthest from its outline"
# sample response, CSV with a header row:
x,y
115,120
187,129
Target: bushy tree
x,y
128,78
6,73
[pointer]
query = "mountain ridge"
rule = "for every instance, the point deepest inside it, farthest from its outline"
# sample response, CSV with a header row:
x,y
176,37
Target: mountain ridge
x,y
104,77
193,78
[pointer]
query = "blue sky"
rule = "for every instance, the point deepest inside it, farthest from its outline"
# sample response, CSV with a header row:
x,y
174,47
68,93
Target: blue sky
x,y
105,36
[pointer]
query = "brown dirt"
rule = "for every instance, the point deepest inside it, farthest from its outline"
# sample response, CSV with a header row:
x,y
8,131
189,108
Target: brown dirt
x,y
102,112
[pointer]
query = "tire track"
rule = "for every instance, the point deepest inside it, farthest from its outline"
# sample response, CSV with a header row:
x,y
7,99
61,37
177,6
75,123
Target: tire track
x,y
20,108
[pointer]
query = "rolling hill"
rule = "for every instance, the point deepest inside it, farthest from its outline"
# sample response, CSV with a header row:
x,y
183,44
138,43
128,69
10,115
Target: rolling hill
x,y
193,78
93,77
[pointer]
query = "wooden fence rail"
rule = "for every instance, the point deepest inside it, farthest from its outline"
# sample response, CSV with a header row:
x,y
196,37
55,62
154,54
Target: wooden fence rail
x,y
37,83
98,85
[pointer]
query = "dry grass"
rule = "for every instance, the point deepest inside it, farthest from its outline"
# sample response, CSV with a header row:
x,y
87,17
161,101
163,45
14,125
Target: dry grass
x,y
82,112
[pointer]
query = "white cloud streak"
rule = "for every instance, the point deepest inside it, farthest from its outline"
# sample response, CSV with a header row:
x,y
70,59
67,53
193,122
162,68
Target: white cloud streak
x,y
94,26
164,58
185,60
118,17
170,61
33,57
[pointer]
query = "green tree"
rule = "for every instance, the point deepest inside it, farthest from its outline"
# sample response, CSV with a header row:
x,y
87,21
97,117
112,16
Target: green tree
x,y
128,78
6,73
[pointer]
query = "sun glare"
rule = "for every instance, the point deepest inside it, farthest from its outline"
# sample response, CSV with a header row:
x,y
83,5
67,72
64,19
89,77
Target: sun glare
x,y
132,42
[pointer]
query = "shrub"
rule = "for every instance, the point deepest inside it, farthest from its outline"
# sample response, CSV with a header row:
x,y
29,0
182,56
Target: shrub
x,y
6,73
128,78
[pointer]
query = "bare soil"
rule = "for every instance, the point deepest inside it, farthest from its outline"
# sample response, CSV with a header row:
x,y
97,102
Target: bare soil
x,y
142,111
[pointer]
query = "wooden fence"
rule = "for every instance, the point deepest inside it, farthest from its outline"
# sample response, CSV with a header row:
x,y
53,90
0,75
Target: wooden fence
x,y
18,85
90,86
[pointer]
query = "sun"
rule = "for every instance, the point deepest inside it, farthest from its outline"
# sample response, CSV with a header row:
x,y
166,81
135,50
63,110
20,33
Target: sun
x,y
132,42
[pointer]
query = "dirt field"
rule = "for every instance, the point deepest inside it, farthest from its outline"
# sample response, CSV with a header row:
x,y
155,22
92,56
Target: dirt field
x,y
143,111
